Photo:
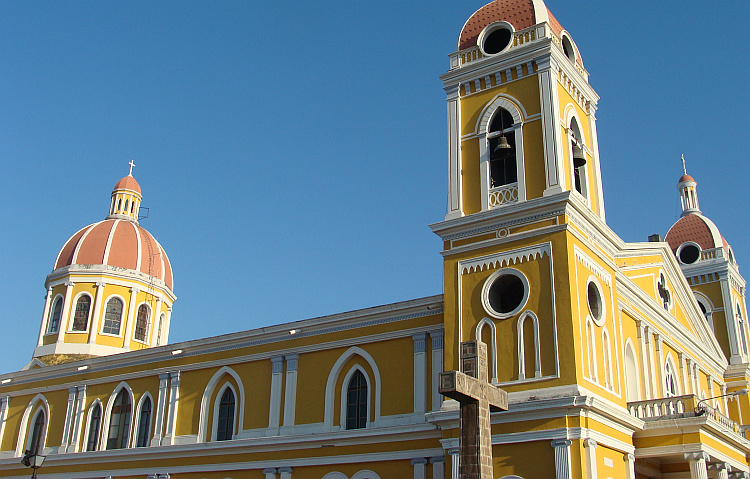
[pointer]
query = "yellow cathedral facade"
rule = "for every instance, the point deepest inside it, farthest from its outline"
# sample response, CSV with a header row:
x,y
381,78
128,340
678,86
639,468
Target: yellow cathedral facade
x,y
621,360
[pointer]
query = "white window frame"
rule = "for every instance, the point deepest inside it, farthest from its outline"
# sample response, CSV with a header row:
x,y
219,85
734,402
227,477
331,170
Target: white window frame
x,y
123,317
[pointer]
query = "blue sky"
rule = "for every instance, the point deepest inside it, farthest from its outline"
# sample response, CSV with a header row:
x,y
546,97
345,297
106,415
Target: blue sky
x,y
293,153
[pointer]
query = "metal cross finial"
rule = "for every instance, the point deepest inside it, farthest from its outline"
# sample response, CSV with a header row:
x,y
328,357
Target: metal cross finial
x,y
133,164
684,170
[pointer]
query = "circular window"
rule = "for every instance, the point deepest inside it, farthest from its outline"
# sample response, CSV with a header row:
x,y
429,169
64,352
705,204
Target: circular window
x,y
568,48
595,301
505,292
689,253
496,38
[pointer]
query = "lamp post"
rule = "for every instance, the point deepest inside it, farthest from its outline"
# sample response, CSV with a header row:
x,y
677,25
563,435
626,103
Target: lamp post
x,y
34,461
700,410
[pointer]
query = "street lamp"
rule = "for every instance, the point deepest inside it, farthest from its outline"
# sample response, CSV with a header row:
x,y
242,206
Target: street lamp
x,y
33,461
700,410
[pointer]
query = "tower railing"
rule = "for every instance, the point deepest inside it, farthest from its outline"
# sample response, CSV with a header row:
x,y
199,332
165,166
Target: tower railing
x,y
521,37
503,195
681,407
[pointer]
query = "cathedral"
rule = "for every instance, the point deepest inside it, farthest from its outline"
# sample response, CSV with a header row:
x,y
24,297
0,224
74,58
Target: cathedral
x,y
620,360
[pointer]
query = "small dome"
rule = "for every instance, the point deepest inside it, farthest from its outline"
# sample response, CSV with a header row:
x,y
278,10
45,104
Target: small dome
x,y
118,243
686,177
519,13
698,229
128,183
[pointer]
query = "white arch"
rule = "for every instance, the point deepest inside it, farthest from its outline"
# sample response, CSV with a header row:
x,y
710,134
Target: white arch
x,y
571,114
208,392
149,322
72,313
334,374
61,298
107,414
493,345
522,345
345,387
365,474
137,420
87,432
217,405
669,367
23,434
632,382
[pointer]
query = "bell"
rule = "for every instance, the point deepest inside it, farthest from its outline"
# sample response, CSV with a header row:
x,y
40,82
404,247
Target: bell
x,y
579,159
502,145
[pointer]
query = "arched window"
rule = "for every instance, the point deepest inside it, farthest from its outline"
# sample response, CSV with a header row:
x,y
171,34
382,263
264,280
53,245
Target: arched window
x,y
81,317
502,149
119,422
95,424
670,381
591,339
144,424
141,322
113,317
54,320
126,206
741,330
119,205
356,402
578,158
158,331
631,374
225,424
608,379
37,433
706,309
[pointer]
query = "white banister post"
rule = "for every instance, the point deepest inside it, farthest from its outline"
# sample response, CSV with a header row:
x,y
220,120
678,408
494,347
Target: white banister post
x,y
697,462
629,465
45,317
274,413
562,458
290,390
420,372
78,419
437,368
160,407
63,326
453,453
590,446
420,467
96,316
438,467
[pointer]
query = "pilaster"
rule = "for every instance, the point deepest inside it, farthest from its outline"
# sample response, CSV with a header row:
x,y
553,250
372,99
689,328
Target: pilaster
x,y
274,413
455,193
74,445
45,317
548,72
420,467
131,316
160,408
174,399
96,315
4,405
590,449
629,466
697,462
269,473
562,458
420,372
454,455
438,467
437,368
63,326
285,473
290,390
72,393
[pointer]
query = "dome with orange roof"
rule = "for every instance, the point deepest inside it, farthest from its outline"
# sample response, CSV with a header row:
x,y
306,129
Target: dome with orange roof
x,y
128,183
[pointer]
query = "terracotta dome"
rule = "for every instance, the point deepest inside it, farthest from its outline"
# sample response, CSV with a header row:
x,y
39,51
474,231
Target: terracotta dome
x,y
686,177
118,243
128,183
698,229
519,13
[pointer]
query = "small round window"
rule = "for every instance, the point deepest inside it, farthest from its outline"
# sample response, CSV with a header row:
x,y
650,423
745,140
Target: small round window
x,y
496,38
568,47
505,292
595,302
689,253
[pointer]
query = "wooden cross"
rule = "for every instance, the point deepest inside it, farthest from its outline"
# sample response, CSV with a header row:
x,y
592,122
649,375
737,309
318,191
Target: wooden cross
x,y
472,389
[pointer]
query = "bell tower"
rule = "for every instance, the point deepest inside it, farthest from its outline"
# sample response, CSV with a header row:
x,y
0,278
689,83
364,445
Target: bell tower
x,y
521,114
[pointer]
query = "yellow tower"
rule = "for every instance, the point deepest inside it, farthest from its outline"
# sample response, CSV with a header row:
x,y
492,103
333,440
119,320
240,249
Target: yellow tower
x,y
111,287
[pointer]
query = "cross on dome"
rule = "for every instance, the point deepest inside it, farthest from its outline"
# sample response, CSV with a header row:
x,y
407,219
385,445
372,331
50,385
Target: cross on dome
x,y
133,164
684,169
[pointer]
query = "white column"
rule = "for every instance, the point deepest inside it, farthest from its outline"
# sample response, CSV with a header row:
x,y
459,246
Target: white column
x,y
562,458
590,446
651,367
165,332
730,319
420,372
453,453
155,315
689,383
420,467
174,399
660,366
683,375
455,205
65,312
721,469
160,407
697,462
75,436
290,389
4,404
96,316
269,473
438,467
629,466
274,414
68,420
45,317
131,316
437,368
553,157
285,473
645,386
